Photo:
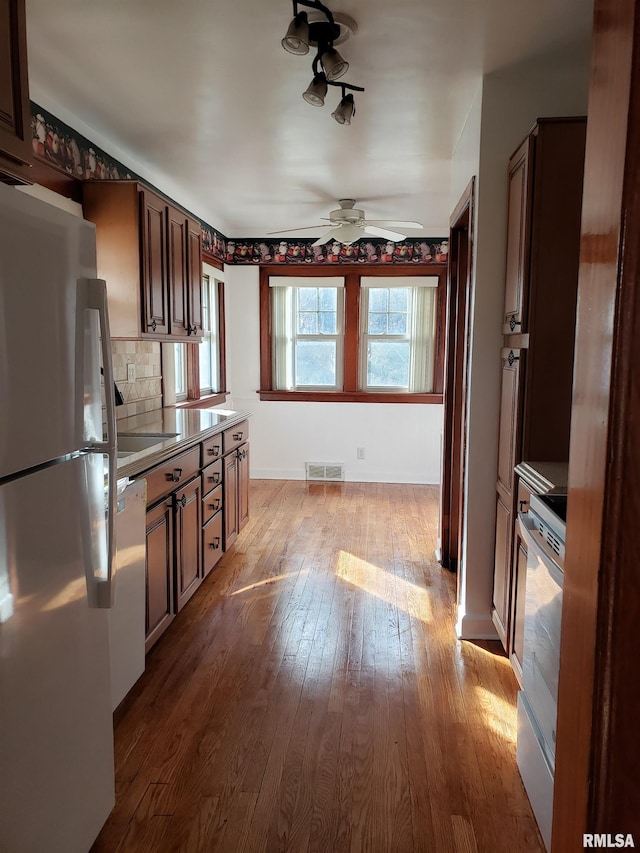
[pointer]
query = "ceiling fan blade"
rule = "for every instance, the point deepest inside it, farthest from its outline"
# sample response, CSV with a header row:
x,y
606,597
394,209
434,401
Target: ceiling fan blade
x,y
395,223
330,235
384,233
291,230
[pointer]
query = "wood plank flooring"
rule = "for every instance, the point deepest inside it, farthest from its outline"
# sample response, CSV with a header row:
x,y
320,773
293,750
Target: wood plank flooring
x,y
313,697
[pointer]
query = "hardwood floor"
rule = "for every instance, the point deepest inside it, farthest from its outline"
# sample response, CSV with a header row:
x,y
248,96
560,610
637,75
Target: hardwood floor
x,y
313,697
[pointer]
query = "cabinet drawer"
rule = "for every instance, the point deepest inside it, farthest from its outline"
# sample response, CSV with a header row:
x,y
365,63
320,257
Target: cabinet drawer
x,y
172,474
212,542
211,449
211,476
235,436
211,504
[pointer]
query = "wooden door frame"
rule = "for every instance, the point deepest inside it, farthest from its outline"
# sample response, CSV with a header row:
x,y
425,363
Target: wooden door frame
x,y
459,282
598,739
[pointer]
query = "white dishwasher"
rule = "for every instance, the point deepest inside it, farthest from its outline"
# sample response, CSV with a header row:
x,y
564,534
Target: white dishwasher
x,y
127,617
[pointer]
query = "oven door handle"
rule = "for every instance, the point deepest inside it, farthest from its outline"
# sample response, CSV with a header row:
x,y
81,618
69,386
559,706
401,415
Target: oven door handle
x,y
535,544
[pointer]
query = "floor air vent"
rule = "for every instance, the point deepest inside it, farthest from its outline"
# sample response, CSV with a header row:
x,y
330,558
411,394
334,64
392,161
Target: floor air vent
x,y
333,472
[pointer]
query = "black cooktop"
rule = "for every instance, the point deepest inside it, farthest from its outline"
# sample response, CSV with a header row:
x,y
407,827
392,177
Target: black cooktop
x,y
557,504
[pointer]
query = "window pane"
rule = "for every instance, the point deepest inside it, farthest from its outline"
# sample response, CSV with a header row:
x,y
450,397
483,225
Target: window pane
x,y
398,298
388,364
328,298
378,299
308,298
377,324
397,324
180,371
204,352
327,323
307,323
316,363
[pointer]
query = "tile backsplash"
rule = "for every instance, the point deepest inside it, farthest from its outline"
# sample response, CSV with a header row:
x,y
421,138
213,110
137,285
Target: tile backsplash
x,y
145,393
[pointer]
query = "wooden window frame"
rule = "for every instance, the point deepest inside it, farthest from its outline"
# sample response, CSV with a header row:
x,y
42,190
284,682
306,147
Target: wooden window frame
x,y
350,392
194,398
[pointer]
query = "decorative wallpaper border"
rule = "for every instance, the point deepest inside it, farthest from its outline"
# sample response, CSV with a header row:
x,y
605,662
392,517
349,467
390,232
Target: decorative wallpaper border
x,y
71,152
425,250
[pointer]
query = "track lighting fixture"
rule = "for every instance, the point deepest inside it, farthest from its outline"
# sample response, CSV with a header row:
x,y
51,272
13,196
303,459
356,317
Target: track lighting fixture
x,y
323,30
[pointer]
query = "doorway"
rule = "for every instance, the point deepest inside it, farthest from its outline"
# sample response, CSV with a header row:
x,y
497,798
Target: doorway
x,y
456,363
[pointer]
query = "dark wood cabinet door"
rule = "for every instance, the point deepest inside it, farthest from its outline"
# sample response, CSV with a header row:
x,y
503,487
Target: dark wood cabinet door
x,y
230,499
15,115
518,227
154,264
194,278
159,571
188,503
212,542
178,308
509,423
502,569
243,485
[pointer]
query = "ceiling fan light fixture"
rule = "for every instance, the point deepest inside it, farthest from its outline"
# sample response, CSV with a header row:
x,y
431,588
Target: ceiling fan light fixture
x,y
345,110
316,91
296,40
334,65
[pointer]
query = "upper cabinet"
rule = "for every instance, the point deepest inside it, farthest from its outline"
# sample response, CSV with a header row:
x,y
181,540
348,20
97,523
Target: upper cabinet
x,y
518,221
150,254
15,115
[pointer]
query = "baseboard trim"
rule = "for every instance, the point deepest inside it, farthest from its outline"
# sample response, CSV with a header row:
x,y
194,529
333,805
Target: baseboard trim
x,y
475,626
350,476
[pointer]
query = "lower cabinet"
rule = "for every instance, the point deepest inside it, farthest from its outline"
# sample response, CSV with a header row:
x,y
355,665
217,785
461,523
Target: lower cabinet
x,y
196,508
159,609
188,537
518,583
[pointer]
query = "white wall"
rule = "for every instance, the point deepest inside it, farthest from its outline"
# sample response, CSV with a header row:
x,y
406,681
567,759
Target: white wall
x,y
512,99
402,441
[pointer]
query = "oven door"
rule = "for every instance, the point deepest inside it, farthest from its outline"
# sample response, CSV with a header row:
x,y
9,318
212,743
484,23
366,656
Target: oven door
x,y
542,624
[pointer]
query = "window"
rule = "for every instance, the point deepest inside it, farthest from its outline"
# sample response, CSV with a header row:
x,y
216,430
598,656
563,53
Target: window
x,y
308,333
372,338
200,368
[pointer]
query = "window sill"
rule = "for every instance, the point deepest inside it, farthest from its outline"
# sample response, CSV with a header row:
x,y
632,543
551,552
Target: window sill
x,y
205,402
350,397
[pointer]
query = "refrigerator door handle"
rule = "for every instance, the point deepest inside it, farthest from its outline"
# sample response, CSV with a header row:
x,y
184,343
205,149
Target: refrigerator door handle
x,y
96,298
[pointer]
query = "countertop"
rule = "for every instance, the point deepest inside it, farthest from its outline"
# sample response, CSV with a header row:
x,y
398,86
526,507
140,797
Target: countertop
x,y
190,425
545,477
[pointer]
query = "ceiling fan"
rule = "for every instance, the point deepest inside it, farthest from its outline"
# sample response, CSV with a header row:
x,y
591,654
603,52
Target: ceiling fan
x,y
348,224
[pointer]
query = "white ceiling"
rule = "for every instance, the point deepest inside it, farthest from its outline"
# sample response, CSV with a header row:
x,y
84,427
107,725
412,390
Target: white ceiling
x,y
198,97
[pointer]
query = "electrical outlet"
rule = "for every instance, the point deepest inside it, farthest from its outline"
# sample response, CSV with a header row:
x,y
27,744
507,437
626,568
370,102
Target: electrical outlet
x,y
360,452
131,373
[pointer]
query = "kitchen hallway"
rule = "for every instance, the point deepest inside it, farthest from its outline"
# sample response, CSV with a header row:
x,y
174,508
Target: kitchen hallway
x,y
313,696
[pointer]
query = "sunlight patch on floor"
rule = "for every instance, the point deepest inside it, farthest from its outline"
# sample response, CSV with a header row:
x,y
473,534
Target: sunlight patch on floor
x,y
268,581
497,713
384,585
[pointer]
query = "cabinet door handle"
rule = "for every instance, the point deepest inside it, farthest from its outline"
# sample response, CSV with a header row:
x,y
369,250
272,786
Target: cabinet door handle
x,y
513,323
214,451
173,477
215,544
183,501
512,357
153,326
237,436
523,504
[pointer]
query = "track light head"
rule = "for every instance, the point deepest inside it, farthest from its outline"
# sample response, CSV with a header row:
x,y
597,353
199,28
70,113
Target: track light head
x,y
316,91
296,40
345,110
334,65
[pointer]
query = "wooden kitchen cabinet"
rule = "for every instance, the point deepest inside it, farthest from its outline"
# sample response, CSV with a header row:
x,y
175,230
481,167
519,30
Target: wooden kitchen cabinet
x,y
159,571
235,481
150,254
544,202
188,540
15,113
518,584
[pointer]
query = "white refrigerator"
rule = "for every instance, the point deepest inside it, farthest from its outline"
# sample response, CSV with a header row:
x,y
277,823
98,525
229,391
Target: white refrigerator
x,y
56,532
